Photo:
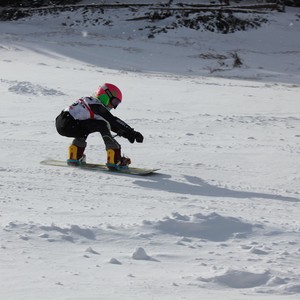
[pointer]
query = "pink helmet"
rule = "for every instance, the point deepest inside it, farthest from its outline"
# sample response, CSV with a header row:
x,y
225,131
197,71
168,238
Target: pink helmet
x,y
108,93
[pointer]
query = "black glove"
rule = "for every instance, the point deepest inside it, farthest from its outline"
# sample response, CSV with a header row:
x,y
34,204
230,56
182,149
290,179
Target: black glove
x,y
133,136
138,137
130,136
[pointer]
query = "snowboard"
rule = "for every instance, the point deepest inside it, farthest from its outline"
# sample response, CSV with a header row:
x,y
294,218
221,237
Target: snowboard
x,y
100,167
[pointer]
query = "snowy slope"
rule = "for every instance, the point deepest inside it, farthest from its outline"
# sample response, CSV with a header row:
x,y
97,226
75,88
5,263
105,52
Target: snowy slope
x,y
220,220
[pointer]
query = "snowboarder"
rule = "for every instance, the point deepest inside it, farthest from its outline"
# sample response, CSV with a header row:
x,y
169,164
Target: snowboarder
x,y
92,114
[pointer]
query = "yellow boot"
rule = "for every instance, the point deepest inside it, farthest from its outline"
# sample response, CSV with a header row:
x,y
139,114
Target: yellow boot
x,y
115,161
76,156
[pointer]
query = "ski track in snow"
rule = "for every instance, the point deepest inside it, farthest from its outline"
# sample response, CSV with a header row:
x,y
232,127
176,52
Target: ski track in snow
x,y
219,220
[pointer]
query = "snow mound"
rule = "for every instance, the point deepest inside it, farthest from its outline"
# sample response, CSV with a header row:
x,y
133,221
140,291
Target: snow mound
x,y
238,279
114,261
92,251
291,289
140,254
262,282
30,89
73,229
51,233
213,227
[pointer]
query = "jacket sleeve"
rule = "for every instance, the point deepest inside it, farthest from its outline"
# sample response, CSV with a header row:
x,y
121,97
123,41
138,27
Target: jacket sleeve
x,y
117,125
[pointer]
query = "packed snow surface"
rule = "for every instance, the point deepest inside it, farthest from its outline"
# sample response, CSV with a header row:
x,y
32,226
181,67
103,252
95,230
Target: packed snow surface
x,y
220,220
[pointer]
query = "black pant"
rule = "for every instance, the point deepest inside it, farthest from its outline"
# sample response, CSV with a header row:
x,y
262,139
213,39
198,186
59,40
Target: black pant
x,y
67,126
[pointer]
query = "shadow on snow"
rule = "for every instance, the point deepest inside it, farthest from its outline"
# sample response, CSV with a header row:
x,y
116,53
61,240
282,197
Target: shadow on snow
x,y
197,186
